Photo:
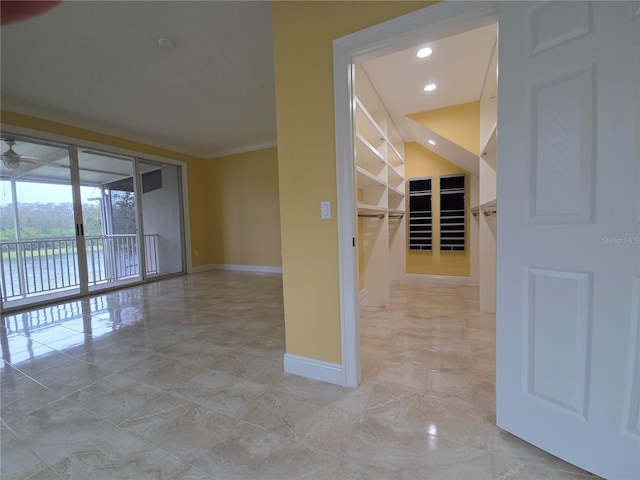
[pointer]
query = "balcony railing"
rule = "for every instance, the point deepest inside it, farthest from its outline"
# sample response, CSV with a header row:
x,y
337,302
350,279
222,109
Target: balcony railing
x,y
32,267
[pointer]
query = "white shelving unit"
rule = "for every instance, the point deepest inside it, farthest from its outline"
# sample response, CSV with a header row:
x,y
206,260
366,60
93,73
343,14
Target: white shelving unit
x,y
365,208
379,155
485,212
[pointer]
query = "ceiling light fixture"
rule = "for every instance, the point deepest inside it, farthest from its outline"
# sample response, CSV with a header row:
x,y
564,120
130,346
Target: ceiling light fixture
x,y
430,87
424,52
166,43
431,142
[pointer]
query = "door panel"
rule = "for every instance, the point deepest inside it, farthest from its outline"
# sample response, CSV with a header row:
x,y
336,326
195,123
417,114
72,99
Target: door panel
x,y
39,259
568,233
161,201
110,218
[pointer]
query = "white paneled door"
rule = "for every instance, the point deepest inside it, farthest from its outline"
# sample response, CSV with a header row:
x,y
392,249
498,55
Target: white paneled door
x,y
568,313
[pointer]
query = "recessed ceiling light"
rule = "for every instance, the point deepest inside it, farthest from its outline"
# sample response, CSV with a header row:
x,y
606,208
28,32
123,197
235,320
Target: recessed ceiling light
x,y
424,52
430,87
431,142
166,43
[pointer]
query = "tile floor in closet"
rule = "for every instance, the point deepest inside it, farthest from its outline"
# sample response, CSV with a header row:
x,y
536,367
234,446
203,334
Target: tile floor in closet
x,y
183,379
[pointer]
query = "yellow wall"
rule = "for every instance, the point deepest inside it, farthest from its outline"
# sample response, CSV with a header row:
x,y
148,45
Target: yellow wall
x,y
303,62
459,123
421,162
243,193
303,33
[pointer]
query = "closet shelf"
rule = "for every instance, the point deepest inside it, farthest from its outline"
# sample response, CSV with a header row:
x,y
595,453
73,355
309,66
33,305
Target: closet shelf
x,y
490,145
374,134
395,158
368,179
394,175
395,191
366,208
367,155
489,152
379,162
368,125
487,208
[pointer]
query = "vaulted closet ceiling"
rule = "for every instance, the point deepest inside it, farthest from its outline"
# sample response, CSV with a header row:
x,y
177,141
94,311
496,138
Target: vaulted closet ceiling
x,y
458,66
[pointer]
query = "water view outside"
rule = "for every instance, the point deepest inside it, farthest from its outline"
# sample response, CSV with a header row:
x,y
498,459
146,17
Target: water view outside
x,y
40,266
120,197
43,256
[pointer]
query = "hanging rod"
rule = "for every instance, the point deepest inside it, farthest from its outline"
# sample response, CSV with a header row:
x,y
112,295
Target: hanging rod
x,y
396,215
488,213
371,215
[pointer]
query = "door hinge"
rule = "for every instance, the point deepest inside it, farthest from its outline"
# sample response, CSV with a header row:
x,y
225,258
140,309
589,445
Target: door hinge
x,y
353,241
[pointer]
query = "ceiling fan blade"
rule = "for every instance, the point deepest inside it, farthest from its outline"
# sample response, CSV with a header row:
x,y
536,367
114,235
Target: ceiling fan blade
x,y
37,161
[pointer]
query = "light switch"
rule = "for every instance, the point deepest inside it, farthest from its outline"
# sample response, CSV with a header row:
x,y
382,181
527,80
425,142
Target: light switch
x,y
325,210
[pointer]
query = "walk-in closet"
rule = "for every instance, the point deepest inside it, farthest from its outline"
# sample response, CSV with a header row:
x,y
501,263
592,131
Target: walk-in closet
x,y
425,161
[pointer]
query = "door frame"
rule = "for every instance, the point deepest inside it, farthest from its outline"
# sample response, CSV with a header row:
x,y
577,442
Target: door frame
x,y
428,24
75,143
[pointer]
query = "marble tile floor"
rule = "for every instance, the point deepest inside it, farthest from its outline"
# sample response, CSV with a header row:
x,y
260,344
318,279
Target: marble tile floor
x,y
183,379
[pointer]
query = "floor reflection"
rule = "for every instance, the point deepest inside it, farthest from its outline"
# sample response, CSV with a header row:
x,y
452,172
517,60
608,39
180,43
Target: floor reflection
x,y
183,379
36,334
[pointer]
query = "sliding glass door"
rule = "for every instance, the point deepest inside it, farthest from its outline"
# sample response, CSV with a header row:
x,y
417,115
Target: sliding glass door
x,y
37,223
110,218
162,218
75,220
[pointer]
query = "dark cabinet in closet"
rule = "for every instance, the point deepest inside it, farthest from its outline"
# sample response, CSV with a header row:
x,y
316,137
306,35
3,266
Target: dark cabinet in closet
x,y
452,213
420,214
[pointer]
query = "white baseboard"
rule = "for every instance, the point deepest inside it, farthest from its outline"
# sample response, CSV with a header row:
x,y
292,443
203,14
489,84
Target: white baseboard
x,y
246,268
440,279
202,268
312,368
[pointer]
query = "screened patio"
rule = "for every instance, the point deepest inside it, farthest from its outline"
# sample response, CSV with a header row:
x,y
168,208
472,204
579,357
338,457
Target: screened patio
x,y
71,221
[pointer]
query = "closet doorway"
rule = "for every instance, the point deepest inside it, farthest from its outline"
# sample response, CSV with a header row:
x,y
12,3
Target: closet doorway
x,y
364,51
558,323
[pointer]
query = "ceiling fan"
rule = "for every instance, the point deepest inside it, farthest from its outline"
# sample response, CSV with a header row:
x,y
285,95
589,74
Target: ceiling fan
x,y
12,159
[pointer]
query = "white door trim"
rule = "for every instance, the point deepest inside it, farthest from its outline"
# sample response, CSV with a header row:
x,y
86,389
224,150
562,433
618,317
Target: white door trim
x,y
431,23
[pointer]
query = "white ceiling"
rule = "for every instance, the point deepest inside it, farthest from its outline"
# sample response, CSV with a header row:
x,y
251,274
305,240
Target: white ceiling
x,y
97,65
458,66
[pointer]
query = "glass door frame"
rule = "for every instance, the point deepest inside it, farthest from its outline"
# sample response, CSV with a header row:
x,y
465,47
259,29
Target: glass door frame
x,y
73,146
49,250
81,246
137,191
116,261
182,216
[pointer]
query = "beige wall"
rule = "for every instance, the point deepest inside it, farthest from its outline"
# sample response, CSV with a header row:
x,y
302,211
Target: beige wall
x,y
303,61
245,214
